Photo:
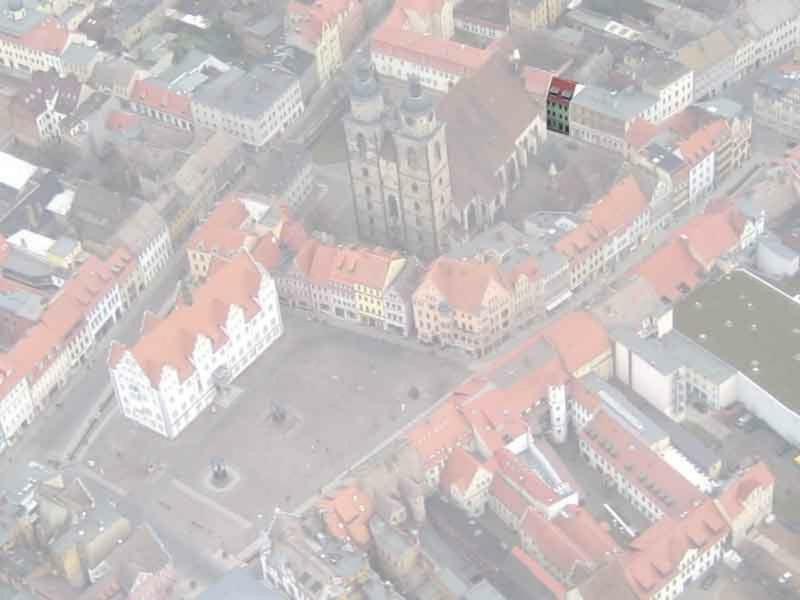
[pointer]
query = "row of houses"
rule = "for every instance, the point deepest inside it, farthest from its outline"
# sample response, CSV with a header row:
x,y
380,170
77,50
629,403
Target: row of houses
x,y
564,546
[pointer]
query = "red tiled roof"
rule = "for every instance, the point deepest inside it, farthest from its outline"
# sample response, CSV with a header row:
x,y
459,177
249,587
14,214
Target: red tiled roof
x,y
703,141
656,554
578,338
537,81
713,233
620,207
593,537
267,252
644,469
506,495
369,267
347,514
119,119
560,550
152,93
640,133
171,341
669,268
438,434
463,283
739,490
538,571
392,39
459,470
49,36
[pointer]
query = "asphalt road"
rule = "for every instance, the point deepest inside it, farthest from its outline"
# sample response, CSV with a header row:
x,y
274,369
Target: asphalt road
x,y
54,432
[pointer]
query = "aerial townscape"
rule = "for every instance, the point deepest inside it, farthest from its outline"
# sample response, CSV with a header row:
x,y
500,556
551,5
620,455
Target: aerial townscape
x,y
399,299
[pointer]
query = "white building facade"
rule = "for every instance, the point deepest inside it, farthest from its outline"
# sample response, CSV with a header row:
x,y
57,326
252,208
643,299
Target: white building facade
x,y
168,396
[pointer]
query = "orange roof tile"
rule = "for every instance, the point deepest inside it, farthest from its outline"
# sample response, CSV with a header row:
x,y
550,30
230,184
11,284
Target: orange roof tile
x,y
49,36
150,92
267,252
459,470
369,267
671,268
347,514
703,141
118,120
582,528
644,469
449,56
619,207
578,338
713,233
739,490
438,434
171,341
463,283
506,495
563,552
538,571
656,554
537,81
640,133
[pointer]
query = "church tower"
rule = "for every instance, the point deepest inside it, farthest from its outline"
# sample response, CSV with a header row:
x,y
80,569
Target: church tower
x,y
399,174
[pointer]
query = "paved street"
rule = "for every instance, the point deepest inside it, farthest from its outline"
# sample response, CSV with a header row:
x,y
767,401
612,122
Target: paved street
x,y
344,393
52,435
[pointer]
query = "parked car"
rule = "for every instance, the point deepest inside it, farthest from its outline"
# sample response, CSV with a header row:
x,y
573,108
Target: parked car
x,y
743,419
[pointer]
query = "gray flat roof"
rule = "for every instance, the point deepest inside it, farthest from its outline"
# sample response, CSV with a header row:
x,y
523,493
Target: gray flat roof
x,y
624,411
249,94
623,104
674,350
751,325
241,584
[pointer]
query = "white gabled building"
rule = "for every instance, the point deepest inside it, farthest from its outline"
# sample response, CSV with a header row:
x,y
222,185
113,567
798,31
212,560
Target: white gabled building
x,y
178,365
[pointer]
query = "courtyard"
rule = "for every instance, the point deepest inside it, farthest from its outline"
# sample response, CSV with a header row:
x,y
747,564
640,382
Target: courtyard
x,y
341,394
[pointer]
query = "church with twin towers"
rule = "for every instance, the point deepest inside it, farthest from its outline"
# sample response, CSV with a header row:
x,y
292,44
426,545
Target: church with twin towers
x,y
398,166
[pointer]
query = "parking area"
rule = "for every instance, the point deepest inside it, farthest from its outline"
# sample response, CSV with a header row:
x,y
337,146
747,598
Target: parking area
x,y
342,393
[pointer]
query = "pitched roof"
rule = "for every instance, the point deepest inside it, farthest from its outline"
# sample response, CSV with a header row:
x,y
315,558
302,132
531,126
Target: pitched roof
x,y
714,233
671,270
49,36
490,109
579,339
619,207
523,478
369,267
642,467
157,95
439,433
459,470
463,283
171,341
560,550
347,514
509,497
656,554
737,492
703,141
533,566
